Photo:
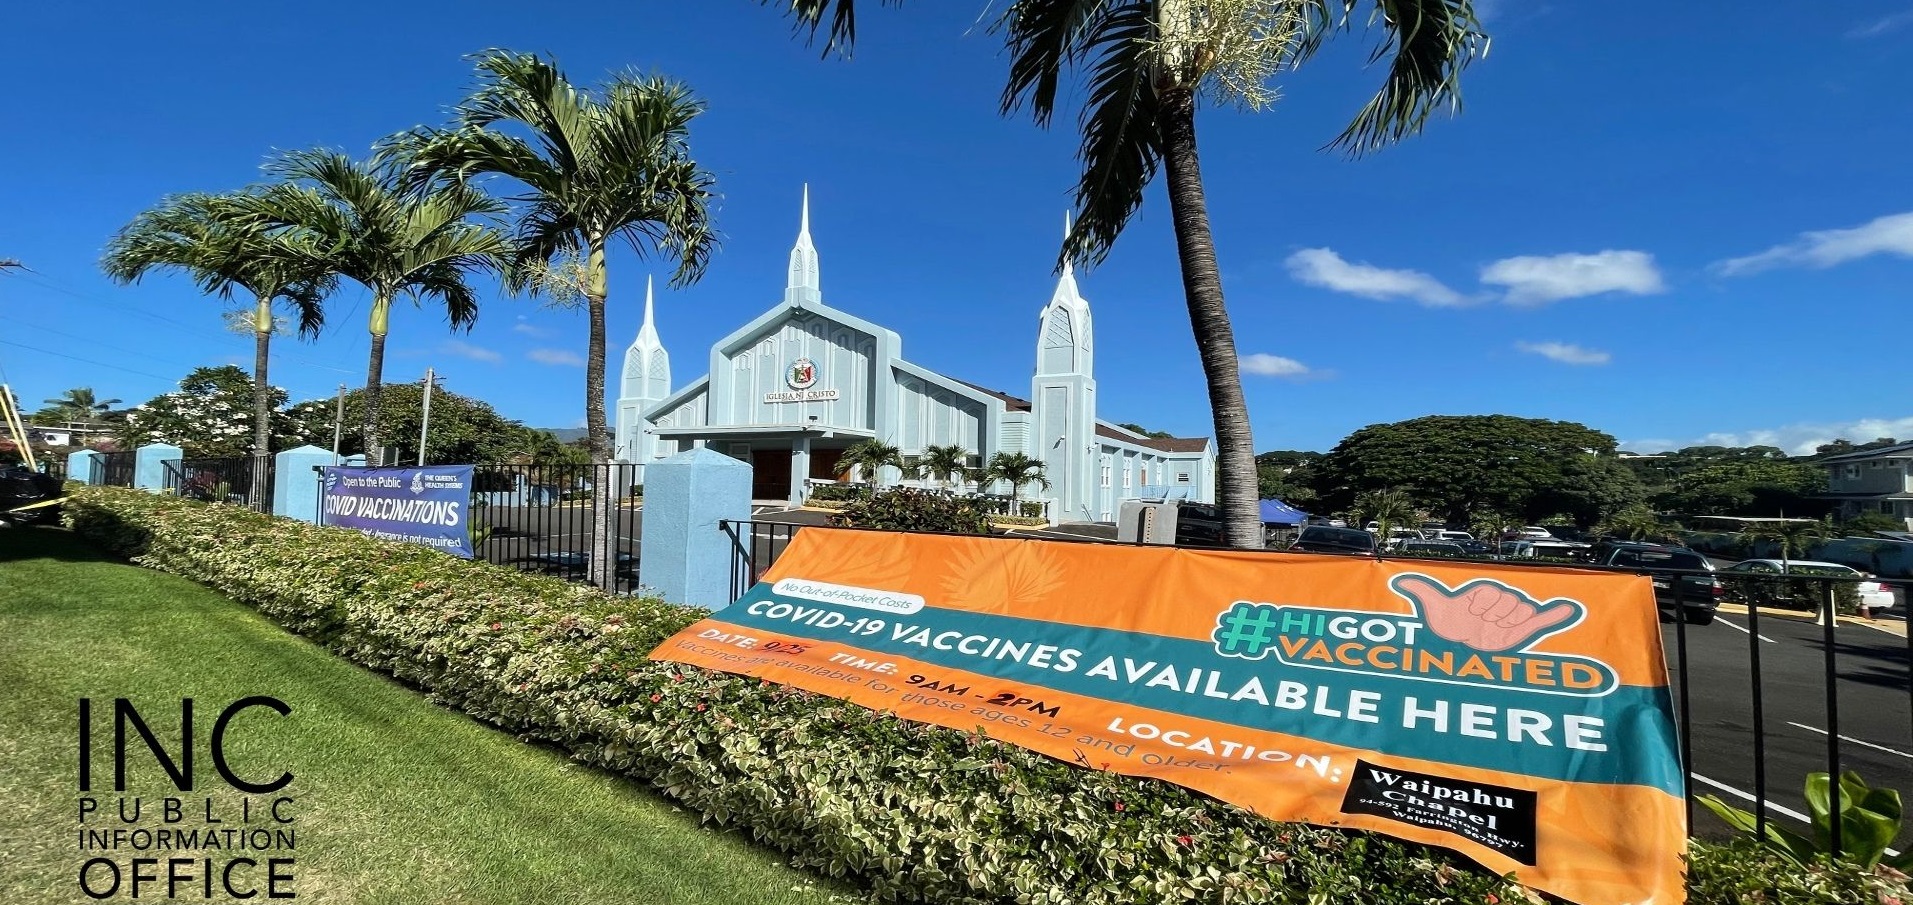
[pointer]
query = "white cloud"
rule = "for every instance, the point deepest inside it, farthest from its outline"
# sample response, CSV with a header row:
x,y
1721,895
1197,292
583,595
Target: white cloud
x,y
1268,365
1891,234
464,349
1566,353
556,357
1323,267
1882,25
529,330
1798,439
1537,280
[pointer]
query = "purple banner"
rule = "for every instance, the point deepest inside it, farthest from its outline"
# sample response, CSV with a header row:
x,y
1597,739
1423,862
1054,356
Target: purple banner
x,y
426,506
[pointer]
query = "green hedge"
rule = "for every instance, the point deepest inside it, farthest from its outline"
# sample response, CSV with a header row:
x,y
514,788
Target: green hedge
x,y
913,812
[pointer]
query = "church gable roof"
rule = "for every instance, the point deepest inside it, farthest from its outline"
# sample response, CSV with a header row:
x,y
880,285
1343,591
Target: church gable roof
x,y
1163,444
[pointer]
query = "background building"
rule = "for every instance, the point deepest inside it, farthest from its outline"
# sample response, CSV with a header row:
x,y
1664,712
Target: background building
x,y
789,391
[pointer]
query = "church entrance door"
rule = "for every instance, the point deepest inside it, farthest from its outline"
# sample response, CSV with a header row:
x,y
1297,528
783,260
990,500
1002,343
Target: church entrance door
x,y
770,474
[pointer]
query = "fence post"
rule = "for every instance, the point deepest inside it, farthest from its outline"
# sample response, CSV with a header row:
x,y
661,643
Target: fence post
x,y
149,465
80,464
295,487
683,553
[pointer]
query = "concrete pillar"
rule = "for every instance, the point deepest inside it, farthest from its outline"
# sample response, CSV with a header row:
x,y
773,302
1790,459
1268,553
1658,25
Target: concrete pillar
x,y
149,465
683,555
295,485
799,470
80,464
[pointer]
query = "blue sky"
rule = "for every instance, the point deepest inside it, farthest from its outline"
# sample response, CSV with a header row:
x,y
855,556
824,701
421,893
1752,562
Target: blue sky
x,y
1667,223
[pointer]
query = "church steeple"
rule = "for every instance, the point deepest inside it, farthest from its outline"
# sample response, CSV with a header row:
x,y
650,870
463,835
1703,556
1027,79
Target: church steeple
x,y
648,333
802,287
1064,344
646,381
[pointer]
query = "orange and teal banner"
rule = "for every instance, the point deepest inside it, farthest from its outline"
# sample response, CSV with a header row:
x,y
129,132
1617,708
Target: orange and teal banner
x,y
1517,715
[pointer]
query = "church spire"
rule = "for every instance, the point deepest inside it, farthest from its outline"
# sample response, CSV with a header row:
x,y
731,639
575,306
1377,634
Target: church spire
x,y
1069,268
802,286
1066,292
1065,344
648,334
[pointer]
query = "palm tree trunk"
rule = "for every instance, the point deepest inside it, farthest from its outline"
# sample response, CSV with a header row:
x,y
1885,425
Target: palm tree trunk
x,y
604,498
374,374
1209,319
261,403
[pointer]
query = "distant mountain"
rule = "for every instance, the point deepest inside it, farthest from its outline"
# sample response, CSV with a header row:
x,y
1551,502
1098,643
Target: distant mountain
x,y
564,434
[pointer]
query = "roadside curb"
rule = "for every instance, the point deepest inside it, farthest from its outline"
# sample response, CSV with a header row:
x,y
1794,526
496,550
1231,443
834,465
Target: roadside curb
x,y
1889,626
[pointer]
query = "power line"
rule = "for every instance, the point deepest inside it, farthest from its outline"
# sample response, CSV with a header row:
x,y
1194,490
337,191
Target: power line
x,y
77,358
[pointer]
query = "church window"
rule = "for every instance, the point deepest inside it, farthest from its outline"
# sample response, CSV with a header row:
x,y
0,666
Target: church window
x,y
1105,471
1126,474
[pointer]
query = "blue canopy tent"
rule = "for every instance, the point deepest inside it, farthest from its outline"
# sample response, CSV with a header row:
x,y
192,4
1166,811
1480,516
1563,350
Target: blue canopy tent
x,y
1276,512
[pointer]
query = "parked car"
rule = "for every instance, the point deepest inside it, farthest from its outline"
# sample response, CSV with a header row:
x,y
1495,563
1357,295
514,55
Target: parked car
x,y
1323,539
1453,537
1198,525
1546,549
1531,532
21,487
1431,548
1874,595
1699,594
1474,548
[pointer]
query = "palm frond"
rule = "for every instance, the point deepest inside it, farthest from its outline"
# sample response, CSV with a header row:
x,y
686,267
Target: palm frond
x,y
1044,38
811,16
1121,149
1427,44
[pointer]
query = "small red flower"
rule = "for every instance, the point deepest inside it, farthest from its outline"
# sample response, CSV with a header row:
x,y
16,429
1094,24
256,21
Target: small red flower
x,y
700,708
677,677
418,586
1119,806
656,698
497,625
1494,899
1185,840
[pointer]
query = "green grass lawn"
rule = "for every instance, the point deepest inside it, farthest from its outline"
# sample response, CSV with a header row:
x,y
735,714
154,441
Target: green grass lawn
x,y
396,800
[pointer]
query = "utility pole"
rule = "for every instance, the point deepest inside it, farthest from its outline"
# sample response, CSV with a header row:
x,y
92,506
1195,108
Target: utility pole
x,y
338,426
425,416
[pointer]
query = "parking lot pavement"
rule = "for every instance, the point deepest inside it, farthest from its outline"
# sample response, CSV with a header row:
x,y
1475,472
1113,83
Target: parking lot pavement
x,y
1872,709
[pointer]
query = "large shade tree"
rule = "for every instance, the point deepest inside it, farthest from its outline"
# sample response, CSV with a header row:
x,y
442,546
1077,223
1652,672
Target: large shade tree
x,y
215,241
582,169
1460,465
399,241
1146,66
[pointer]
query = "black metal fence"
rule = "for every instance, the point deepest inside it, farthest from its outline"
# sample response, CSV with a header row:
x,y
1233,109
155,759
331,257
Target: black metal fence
x,y
113,469
1764,658
242,480
538,518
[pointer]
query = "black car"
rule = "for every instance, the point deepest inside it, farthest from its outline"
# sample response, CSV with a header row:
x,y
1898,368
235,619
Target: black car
x,y
1323,539
21,487
1699,593
1198,525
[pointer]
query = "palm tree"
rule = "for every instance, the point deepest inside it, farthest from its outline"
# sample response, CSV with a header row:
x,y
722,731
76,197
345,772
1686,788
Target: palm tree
x,y
1793,535
215,242
943,463
1637,524
1387,509
1146,62
80,404
1015,468
422,242
590,168
870,457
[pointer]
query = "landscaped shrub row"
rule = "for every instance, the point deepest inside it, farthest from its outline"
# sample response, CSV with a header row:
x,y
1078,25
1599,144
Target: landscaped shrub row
x,y
913,812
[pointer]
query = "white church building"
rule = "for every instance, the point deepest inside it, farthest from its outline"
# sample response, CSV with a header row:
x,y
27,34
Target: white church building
x,y
789,391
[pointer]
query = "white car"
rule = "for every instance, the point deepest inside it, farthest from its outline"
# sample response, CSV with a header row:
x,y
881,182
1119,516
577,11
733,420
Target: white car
x,y
1874,596
1452,536
1533,532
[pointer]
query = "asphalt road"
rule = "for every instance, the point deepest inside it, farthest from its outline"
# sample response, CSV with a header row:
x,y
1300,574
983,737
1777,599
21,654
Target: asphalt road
x,y
1873,708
